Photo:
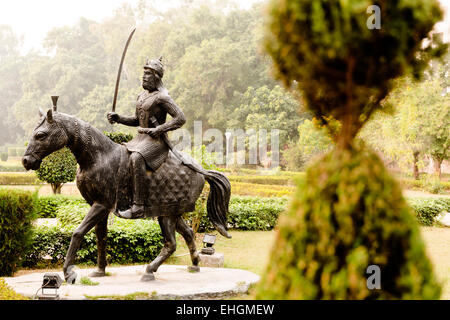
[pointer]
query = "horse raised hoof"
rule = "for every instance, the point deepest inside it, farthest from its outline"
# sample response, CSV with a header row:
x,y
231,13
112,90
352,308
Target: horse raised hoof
x,y
194,269
148,276
97,273
70,275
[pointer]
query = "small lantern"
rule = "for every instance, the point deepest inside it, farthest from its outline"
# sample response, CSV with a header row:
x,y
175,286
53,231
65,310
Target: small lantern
x,y
208,242
51,281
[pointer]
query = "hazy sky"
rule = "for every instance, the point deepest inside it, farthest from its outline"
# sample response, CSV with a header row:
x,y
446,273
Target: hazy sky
x,y
34,18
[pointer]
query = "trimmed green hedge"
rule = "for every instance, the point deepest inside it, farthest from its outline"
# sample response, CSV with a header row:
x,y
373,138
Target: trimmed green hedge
x,y
15,168
284,180
427,209
128,242
16,213
28,178
245,212
50,206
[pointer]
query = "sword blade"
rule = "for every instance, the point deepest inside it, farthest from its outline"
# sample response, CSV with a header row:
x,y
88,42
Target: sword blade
x,y
116,90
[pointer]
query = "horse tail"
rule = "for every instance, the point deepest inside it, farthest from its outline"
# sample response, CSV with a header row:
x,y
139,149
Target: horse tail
x,y
218,200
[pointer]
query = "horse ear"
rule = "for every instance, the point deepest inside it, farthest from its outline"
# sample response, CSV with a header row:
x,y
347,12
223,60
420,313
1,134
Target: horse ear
x,y
41,112
50,115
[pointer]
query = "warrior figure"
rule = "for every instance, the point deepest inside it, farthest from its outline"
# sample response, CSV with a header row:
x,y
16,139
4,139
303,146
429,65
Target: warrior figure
x,y
148,149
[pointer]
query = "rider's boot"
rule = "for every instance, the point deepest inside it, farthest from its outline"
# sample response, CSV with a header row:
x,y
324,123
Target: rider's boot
x,y
139,173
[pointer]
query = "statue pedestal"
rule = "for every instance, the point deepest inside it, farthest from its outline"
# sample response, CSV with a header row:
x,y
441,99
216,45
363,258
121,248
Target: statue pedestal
x,y
171,282
215,260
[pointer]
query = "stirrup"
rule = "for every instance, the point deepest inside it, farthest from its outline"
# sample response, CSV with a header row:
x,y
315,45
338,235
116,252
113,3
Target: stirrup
x,y
133,212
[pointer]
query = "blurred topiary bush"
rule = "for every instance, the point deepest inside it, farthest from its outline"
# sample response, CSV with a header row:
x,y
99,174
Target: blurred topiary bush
x,y
349,213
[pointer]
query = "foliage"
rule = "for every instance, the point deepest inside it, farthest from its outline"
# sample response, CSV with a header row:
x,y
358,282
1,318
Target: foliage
x,y
128,242
28,178
245,213
427,209
16,168
322,250
58,168
261,190
313,142
6,293
205,158
419,124
119,137
4,156
265,108
273,180
16,214
53,206
343,68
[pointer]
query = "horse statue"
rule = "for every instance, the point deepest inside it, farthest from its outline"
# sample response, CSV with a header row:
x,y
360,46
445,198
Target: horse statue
x,y
103,179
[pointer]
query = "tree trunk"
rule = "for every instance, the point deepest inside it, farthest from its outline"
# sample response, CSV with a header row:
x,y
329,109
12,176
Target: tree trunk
x,y
416,167
56,188
437,167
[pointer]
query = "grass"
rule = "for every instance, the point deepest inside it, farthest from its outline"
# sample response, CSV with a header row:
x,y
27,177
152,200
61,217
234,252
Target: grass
x,y
86,281
248,250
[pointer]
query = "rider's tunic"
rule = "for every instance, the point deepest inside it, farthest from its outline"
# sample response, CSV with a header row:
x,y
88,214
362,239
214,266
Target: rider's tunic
x,y
157,104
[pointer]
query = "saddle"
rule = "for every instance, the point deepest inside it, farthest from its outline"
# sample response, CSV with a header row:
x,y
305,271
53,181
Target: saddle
x,y
172,189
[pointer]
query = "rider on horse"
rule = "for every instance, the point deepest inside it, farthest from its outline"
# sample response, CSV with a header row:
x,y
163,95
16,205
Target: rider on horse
x,y
148,148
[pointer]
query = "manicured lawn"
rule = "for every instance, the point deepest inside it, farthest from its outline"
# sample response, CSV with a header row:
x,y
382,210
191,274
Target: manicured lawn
x,y
247,250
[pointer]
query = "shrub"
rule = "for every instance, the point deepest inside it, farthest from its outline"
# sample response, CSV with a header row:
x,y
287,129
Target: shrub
x,y
245,213
16,214
119,137
4,156
427,209
28,178
134,241
15,168
49,206
58,168
6,293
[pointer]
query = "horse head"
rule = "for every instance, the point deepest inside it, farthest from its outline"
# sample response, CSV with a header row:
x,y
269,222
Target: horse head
x,y
48,137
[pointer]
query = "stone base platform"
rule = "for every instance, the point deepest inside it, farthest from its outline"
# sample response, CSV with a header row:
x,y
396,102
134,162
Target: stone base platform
x,y
172,282
215,260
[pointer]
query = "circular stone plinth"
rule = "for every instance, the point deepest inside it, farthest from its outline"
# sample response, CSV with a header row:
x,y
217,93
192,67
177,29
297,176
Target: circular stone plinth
x,y
171,282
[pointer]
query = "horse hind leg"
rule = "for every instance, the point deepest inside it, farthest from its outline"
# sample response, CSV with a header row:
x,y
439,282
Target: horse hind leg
x,y
168,225
101,231
189,237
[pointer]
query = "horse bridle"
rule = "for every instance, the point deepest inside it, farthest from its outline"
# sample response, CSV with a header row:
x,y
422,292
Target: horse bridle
x,y
36,155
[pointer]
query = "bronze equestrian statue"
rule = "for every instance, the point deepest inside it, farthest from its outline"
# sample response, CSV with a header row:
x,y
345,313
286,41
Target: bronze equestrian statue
x,y
142,179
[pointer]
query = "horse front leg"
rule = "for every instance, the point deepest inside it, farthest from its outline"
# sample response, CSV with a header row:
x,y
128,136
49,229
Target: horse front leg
x,y
168,225
96,214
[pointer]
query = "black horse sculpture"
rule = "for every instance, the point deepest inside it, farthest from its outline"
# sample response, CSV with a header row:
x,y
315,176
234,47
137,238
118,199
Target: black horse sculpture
x,y
103,179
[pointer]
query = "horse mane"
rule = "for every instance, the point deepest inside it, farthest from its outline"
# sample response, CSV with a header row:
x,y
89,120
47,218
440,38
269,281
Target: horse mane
x,y
83,131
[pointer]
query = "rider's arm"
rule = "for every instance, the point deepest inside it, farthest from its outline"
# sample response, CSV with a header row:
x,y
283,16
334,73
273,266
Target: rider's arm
x,y
132,121
178,118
